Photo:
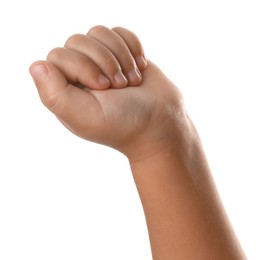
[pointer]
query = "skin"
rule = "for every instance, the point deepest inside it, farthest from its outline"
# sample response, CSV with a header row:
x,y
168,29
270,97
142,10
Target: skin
x,y
103,89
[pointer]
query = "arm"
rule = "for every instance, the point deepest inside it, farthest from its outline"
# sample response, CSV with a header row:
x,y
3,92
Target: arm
x,y
101,87
184,214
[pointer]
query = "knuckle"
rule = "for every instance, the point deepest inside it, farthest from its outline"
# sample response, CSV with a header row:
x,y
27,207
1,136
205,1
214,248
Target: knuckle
x,y
118,28
97,29
55,101
74,40
54,54
124,32
130,38
50,101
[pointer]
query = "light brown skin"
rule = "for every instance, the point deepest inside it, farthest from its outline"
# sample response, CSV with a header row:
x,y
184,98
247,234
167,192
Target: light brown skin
x,y
103,89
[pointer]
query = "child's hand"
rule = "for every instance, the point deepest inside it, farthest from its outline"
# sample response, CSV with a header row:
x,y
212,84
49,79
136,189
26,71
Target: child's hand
x,y
90,85
94,87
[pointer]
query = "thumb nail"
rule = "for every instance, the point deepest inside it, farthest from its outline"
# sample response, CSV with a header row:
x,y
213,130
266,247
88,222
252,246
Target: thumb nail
x,y
38,71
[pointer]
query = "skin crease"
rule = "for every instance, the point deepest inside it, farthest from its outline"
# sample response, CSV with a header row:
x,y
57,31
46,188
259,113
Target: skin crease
x,y
103,89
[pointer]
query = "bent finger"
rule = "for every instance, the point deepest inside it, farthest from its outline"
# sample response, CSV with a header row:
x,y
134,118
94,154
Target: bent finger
x,y
100,55
134,46
119,48
78,68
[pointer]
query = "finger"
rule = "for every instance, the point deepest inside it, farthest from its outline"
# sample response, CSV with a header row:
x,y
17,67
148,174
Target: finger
x,y
50,82
78,68
134,45
70,104
119,48
100,55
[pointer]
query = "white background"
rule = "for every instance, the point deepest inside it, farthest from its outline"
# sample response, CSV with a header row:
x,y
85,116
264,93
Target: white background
x,y
65,198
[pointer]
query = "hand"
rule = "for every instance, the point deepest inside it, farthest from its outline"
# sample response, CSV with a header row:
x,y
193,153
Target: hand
x,y
95,88
102,88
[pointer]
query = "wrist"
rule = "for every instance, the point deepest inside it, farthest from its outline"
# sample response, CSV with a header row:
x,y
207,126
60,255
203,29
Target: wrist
x,y
180,142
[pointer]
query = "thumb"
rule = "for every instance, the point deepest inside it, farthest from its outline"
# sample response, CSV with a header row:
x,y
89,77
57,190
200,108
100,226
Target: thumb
x,y
78,110
49,81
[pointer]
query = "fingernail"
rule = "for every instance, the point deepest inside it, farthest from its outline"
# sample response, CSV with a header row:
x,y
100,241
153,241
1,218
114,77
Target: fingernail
x,y
120,79
38,71
103,80
134,76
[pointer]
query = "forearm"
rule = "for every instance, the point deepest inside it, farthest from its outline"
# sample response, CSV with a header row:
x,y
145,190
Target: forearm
x,y
184,214
95,98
